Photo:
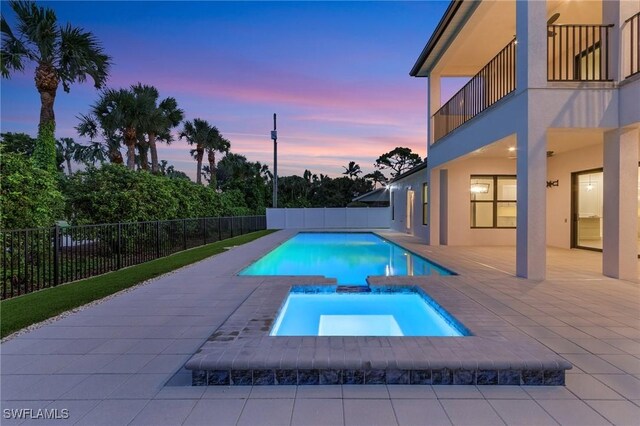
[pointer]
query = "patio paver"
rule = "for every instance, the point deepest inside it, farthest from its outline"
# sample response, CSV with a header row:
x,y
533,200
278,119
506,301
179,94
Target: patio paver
x,y
571,309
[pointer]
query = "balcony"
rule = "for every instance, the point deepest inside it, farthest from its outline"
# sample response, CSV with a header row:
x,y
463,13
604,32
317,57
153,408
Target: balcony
x,y
578,52
631,46
494,81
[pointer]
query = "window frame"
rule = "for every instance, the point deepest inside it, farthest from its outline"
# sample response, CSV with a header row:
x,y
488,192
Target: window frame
x,y
494,201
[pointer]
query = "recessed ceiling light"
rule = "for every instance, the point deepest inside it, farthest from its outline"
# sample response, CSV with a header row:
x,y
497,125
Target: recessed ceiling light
x,y
512,148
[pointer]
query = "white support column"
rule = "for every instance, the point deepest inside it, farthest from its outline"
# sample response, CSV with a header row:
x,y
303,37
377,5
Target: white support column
x,y
612,14
444,207
620,209
531,238
531,72
433,105
433,238
531,50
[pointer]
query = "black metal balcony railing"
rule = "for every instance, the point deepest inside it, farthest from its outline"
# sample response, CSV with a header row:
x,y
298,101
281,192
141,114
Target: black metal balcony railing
x,y
494,81
33,259
632,31
578,52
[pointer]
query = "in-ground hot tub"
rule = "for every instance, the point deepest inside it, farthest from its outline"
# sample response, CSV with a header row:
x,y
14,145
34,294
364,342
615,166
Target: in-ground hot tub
x,y
405,311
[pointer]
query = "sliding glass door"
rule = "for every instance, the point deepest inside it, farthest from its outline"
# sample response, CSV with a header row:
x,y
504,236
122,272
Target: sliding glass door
x,y
587,201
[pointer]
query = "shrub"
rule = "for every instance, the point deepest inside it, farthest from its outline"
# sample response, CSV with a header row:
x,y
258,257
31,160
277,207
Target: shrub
x,y
114,193
29,195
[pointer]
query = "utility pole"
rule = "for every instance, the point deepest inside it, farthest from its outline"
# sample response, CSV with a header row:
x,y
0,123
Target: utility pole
x,y
274,136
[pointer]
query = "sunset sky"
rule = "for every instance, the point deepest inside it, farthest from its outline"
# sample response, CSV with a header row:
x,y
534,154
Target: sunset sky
x,y
337,74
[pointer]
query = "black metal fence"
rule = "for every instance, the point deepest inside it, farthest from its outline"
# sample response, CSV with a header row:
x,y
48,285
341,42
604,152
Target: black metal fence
x,y
578,52
493,82
632,38
33,259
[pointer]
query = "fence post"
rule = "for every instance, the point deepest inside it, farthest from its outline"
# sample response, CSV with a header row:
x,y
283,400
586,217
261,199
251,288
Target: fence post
x,y
241,227
231,226
157,239
219,229
184,234
56,255
204,230
119,248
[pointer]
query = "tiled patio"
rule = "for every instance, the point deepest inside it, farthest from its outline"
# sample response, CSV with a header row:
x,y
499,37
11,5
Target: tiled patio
x,y
110,363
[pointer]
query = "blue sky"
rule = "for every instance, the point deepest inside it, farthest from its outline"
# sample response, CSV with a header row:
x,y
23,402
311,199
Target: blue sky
x,y
336,73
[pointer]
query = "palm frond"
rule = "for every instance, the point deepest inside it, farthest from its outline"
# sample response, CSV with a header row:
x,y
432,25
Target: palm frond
x,y
39,26
81,55
88,126
13,52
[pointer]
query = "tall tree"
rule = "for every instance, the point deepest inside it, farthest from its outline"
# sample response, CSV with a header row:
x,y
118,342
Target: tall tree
x,y
376,177
197,132
62,54
215,143
69,149
92,126
162,117
399,160
352,170
120,112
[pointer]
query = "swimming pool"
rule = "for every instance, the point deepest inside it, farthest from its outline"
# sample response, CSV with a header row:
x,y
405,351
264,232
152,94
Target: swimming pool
x,y
393,312
347,256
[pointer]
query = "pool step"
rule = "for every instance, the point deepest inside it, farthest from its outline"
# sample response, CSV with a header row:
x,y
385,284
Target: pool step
x,y
353,289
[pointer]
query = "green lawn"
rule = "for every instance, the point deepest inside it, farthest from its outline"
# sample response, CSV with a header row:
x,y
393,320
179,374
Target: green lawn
x,y
23,311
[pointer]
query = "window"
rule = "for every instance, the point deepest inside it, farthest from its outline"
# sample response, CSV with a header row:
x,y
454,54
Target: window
x,y
425,204
493,201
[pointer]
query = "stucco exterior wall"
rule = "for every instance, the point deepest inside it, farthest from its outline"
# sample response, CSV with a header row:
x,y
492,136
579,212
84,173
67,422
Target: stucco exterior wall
x,y
399,191
560,167
458,228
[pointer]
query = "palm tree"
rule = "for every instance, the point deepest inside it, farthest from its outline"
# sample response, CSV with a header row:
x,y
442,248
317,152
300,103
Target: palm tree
x,y
68,148
376,177
63,54
215,143
197,132
92,153
91,127
352,170
158,124
120,114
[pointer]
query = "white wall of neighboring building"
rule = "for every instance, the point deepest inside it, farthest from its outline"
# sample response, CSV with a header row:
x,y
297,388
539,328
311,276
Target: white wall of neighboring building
x,y
399,190
329,218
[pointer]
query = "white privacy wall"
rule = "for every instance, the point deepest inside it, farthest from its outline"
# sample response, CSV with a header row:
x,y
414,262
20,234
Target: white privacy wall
x,y
329,218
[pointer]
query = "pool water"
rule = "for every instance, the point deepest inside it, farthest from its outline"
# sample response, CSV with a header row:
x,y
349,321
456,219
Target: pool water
x,y
348,257
366,314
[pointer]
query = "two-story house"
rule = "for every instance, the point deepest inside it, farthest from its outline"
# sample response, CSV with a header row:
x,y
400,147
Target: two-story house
x,y
540,146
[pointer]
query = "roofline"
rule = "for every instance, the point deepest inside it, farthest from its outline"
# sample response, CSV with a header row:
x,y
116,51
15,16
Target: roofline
x,y
435,37
359,197
409,172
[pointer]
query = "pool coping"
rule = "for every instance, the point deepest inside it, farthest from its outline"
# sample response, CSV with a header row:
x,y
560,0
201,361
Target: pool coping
x,y
241,352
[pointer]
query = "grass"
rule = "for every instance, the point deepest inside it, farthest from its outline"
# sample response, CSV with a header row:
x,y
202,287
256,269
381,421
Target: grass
x,y
22,311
